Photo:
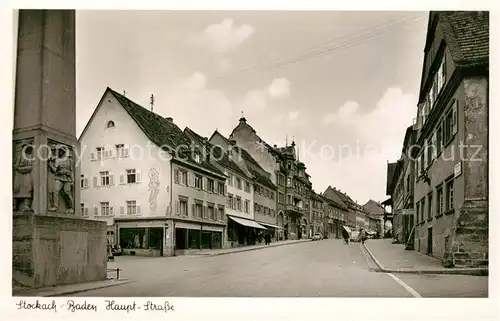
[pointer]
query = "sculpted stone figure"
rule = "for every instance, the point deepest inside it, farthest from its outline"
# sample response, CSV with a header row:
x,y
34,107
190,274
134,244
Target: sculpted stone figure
x,y
23,179
60,179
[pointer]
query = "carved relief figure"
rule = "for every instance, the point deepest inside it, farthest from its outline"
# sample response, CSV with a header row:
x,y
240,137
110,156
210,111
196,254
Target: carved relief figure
x,y
154,188
60,178
23,178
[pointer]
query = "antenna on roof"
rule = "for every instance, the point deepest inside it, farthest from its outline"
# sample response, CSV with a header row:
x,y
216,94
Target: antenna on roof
x,y
124,93
286,140
152,101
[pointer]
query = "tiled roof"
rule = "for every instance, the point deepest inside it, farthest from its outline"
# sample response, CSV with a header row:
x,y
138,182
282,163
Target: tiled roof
x,y
332,195
468,35
161,132
374,208
218,153
259,178
244,154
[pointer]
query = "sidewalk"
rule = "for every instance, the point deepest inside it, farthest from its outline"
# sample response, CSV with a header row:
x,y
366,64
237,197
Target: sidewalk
x,y
68,289
244,248
393,258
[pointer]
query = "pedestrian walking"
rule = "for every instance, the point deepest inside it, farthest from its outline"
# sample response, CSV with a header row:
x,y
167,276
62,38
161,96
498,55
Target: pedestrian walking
x,y
268,239
362,235
345,235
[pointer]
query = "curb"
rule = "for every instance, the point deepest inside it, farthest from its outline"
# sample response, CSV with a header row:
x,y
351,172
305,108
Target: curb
x,y
49,293
252,249
456,271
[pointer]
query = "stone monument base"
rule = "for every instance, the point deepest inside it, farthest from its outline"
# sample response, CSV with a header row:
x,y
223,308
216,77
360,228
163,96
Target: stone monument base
x,y
52,250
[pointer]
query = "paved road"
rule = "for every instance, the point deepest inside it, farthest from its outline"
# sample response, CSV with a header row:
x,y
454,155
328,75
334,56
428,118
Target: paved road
x,y
326,268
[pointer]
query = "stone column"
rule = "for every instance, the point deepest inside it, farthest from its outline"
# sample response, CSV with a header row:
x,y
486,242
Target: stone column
x,y
52,244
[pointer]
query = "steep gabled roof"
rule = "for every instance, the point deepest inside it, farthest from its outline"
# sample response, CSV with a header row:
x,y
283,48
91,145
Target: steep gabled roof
x,y
217,152
469,33
374,208
239,150
162,132
332,195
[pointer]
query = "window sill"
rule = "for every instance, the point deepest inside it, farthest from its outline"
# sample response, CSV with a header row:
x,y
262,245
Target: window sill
x,y
439,215
430,219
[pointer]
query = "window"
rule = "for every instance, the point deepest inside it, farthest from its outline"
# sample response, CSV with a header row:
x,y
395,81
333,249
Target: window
x,y
281,179
281,198
418,212
82,207
198,181
425,157
106,179
220,188
221,213
100,153
247,206
197,158
441,74
439,139
440,201
211,212
230,200
131,176
289,182
247,187
105,209
84,182
120,150
184,177
271,194
238,203
429,206
289,199
210,185
451,123
422,210
430,152
449,196
111,124
230,180
183,207
131,207
238,183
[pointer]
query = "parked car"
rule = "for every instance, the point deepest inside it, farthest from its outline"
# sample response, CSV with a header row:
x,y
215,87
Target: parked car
x,y
354,236
317,237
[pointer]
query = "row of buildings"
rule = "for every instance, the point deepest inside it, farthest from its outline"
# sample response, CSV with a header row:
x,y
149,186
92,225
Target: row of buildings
x,y
164,191
439,187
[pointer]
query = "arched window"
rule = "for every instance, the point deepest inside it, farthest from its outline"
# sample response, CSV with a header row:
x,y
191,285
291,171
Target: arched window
x,y
111,124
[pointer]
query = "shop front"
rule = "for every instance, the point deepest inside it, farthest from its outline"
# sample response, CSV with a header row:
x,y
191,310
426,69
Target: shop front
x,y
197,236
142,238
243,232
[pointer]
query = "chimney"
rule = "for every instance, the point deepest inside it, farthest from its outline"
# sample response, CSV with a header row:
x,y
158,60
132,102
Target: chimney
x,y
170,119
232,141
275,146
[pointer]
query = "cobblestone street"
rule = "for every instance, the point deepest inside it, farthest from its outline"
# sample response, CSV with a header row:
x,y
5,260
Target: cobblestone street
x,y
325,268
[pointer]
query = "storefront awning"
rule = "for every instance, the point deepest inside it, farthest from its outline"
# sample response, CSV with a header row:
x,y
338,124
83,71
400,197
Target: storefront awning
x,y
246,222
269,225
347,229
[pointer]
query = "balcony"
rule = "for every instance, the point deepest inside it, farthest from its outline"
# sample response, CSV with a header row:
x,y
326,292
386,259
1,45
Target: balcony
x,y
295,209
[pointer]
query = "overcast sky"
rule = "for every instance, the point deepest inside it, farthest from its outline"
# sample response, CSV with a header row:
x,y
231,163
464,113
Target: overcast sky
x,y
333,81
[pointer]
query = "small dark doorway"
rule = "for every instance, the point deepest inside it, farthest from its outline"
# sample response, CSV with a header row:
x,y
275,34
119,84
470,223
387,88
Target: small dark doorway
x,y
429,241
180,239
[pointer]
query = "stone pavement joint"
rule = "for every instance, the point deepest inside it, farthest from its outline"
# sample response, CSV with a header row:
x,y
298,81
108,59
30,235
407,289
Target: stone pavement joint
x,y
245,248
422,270
69,288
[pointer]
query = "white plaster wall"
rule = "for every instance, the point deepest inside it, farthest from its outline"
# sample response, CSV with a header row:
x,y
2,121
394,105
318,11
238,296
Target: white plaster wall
x,y
244,196
143,156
